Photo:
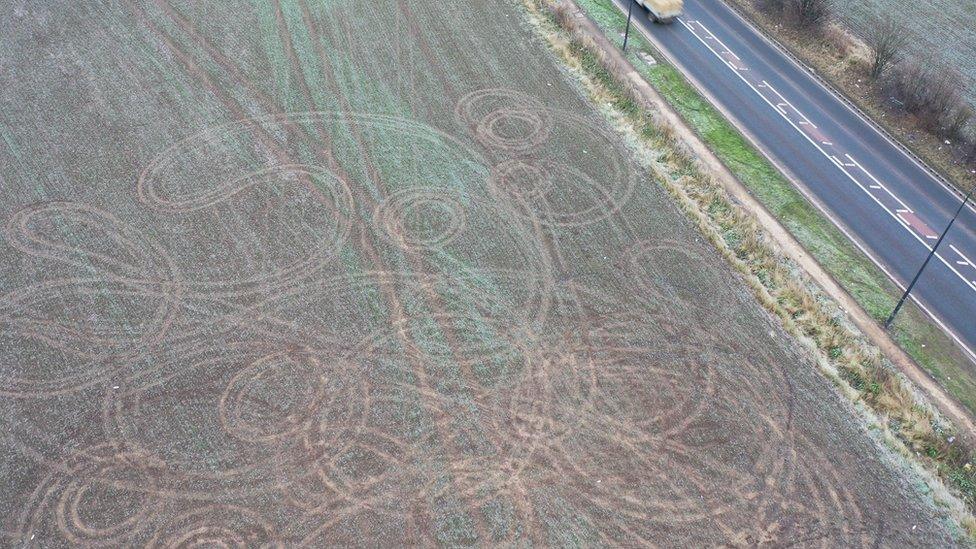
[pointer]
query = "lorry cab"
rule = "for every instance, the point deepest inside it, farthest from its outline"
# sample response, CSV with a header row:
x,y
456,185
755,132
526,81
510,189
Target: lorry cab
x,y
662,11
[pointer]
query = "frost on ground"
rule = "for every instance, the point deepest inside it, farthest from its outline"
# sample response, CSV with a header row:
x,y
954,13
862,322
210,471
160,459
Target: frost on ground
x,y
942,31
375,273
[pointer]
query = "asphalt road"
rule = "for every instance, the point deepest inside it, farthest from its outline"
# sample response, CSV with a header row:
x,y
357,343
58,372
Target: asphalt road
x,y
892,207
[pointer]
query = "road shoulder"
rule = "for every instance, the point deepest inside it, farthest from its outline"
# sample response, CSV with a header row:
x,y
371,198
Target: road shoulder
x,y
793,252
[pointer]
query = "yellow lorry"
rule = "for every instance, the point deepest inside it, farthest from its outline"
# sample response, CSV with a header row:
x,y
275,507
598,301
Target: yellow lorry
x,y
663,11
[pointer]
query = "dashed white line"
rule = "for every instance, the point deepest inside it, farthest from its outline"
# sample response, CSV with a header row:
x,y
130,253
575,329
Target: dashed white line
x,y
710,33
971,285
965,260
770,86
840,162
829,215
878,183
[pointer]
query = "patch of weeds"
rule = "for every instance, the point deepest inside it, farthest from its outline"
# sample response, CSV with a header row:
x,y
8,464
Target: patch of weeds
x,y
835,352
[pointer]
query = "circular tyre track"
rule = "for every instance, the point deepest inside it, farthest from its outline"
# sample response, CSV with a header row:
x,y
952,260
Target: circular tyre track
x,y
96,497
216,525
78,325
86,237
229,420
504,120
421,218
305,214
251,407
525,137
651,388
522,178
418,384
671,279
453,380
130,303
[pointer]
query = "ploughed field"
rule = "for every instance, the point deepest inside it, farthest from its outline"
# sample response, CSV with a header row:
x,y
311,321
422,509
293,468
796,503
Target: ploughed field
x,y
942,31
375,273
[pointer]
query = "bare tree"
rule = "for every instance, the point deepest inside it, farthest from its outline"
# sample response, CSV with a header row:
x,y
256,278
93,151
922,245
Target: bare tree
x,y
909,85
807,14
955,121
887,40
804,14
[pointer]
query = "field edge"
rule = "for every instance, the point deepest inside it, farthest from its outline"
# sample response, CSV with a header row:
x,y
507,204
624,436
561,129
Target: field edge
x,y
885,398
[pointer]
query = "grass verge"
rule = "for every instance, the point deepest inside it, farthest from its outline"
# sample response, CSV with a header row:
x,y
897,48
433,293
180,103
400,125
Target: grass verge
x,y
907,421
874,291
843,59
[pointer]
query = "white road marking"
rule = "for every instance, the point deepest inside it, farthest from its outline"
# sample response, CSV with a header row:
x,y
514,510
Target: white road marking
x,y
953,192
971,285
841,163
710,33
878,183
965,260
770,86
827,213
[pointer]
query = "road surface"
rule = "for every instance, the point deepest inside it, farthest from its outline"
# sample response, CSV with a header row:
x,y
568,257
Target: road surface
x,y
892,207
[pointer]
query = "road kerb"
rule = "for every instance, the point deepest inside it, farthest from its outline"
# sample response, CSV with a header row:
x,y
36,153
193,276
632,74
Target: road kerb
x,y
784,240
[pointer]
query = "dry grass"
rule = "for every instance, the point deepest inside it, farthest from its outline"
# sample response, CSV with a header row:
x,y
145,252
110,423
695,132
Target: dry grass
x,y
844,59
907,422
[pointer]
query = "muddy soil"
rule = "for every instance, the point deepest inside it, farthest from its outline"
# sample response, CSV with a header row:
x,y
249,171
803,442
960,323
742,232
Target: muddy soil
x,y
338,273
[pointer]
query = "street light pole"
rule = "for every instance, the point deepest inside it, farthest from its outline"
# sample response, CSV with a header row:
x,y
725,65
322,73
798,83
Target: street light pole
x,y
908,290
630,10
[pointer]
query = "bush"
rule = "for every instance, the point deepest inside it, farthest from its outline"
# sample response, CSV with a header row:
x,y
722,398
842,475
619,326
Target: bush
x,y
803,14
932,93
808,13
969,145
